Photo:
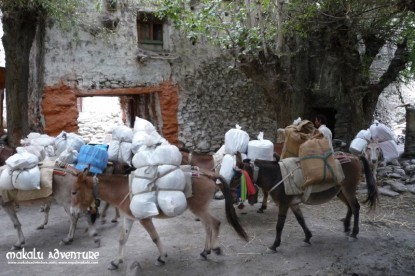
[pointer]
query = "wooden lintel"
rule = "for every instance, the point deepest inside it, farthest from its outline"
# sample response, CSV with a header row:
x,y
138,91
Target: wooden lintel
x,y
118,91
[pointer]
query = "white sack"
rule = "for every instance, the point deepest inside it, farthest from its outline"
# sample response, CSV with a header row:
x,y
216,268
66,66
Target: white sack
x,y
6,178
143,125
172,203
113,149
166,155
390,150
144,205
260,149
381,132
28,179
236,140
125,154
141,185
142,158
22,160
357,146
68,156
65,140
37,150
364,134
226,167
172,178
122,134
138,140
43,140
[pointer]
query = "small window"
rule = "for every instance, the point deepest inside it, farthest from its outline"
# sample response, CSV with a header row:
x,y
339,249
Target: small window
x,y
150,31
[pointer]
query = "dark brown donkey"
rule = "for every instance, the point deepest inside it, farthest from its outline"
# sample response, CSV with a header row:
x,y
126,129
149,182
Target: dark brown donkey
x,y
270,178
115,190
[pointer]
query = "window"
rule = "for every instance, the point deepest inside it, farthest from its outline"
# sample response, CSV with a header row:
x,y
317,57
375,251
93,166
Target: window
x,y
150,31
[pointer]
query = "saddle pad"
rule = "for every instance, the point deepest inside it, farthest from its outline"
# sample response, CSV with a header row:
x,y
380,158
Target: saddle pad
x,y
294,183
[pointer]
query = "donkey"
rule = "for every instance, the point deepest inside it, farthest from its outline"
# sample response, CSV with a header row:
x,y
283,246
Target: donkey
x,y
270,179
115,190
374,154
61,194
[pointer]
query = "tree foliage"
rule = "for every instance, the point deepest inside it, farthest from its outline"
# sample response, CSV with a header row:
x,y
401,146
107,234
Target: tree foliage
x,y
252,27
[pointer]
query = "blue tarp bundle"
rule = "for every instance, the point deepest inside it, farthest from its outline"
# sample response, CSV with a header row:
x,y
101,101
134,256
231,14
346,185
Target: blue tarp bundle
x,y
96,157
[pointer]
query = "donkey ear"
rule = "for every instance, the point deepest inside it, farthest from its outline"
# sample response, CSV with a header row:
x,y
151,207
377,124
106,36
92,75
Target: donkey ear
x,y
85,173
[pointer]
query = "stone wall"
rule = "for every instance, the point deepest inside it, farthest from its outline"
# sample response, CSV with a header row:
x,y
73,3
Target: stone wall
x,y
212,98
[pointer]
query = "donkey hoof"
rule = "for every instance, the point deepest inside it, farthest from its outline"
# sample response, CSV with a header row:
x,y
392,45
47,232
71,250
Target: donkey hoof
x,y
113,265
40,227
217,251
160,261
114,220
204,254
97,242
271,250
261,211
16,247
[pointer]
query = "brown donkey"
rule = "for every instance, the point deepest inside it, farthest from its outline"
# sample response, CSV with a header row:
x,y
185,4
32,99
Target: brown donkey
x,y
115,190
270,177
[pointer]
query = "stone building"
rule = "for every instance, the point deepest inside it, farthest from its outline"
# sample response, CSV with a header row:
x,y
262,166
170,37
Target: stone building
x,y
189,92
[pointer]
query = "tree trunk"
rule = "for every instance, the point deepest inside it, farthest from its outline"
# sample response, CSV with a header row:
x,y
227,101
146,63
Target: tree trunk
x,y
19,31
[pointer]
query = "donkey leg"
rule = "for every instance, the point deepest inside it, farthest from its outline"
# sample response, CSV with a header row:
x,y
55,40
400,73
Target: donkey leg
x,y
92,231
300,218
264,203
282,215
46,209
104,212
212,226
73,221
151,230
125,233
355,209
117,215
346,220
9,208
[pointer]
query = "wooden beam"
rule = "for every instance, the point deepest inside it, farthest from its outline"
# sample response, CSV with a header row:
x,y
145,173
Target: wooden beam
x,y
118,91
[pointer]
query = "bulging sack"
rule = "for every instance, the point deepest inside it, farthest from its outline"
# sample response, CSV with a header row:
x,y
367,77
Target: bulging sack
x,y
172,203
236,140
144,205
28,179
317,162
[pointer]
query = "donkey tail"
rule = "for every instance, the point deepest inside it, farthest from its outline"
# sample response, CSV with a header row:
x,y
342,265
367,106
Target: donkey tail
x,y
372,187
230,210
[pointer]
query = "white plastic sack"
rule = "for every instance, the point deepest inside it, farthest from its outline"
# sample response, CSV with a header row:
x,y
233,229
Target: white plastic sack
x,y
172,203
166,155
390,150
65,140
381,132
260,149
357,146
364,134
43,140
37,150
125,154
144,205
28,179
122,134
139,138
236,140
172,178
226,168
22,160
141,185
113,149
68,156
142,158
143,125
6,178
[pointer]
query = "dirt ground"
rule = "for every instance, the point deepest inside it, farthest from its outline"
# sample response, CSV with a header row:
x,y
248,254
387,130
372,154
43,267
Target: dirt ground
x,y
385,245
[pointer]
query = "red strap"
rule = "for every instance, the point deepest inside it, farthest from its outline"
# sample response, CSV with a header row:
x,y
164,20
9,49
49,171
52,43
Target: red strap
x,y
249,184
